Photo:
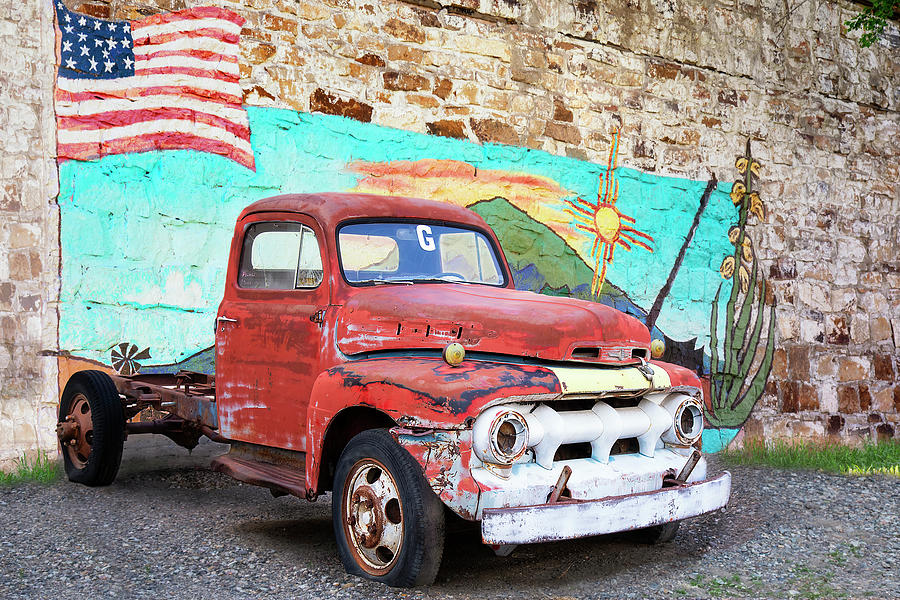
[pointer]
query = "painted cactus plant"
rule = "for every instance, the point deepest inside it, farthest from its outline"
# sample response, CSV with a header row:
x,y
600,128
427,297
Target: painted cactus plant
x,y
732,392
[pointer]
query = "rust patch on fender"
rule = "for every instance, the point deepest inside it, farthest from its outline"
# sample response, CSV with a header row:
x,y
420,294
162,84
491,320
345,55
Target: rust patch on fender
x,y
445,456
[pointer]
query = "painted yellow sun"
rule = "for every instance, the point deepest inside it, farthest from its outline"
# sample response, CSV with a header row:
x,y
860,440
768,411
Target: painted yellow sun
x,y
607,223
603,221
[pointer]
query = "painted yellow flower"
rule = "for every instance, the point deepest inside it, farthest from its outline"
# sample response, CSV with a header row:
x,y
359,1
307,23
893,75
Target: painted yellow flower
x,y
727,268
747,250
755,167
737,192
733,234
741,165
745,279
756,206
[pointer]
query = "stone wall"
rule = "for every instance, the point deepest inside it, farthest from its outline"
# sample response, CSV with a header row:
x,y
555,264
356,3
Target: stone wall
x,y
686,82
28,232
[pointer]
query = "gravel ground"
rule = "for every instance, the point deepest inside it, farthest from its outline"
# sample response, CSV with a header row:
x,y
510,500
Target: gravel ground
x,y
170,528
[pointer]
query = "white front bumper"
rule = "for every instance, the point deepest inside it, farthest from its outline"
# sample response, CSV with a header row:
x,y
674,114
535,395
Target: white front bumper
x,y
530,484
582,518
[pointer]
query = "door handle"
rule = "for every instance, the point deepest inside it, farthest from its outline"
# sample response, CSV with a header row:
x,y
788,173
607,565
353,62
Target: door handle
x,y
225,319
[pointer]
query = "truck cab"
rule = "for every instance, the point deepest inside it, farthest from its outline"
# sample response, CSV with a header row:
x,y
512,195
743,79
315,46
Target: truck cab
x,y
376,347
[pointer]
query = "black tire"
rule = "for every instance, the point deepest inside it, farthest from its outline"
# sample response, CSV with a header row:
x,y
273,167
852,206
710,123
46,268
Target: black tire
x,y
100,464
658,534
415,510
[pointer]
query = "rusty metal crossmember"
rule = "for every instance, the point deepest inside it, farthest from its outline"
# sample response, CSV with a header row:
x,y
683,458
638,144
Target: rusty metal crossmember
x,y
560,484
670,479
688,467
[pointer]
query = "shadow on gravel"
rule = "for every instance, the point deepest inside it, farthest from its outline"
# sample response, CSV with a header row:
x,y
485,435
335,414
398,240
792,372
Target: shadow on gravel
x,y
170,527
573,562
302,532
294,533
784,534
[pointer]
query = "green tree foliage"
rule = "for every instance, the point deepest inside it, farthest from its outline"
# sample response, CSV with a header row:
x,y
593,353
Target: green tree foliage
x,y
873,21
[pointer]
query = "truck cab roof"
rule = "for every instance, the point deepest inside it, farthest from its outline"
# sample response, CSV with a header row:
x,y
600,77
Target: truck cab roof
x,y
330,209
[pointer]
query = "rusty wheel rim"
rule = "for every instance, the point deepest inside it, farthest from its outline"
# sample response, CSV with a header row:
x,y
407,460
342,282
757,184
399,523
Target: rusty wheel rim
x,y
373,516
79,447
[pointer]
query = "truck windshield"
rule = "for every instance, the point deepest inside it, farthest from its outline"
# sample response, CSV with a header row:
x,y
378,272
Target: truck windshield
x,y
373,253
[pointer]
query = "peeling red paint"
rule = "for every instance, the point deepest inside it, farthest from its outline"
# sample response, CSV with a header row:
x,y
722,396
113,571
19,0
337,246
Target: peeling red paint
x,y
445,458
679,375
417,391
487,319
290,361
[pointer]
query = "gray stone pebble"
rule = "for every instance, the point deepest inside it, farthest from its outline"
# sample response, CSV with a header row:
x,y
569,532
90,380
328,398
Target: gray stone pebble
x,y
179,530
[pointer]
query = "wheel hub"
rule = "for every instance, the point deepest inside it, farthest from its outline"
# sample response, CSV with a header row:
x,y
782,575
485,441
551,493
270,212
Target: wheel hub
x,y
67,431
368,519
373,517
76,431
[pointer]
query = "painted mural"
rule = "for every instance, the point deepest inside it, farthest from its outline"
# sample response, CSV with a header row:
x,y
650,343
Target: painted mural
x,y
734,391
145,230
603,222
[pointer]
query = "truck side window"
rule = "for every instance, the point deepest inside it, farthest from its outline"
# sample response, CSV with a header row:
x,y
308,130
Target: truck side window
x,y
309,271
280,256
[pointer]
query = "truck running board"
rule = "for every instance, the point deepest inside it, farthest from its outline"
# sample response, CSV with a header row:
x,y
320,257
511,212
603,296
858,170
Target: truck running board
x,y
278,478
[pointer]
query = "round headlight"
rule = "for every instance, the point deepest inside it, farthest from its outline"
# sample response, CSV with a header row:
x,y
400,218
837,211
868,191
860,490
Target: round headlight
x,y
687,419
509,436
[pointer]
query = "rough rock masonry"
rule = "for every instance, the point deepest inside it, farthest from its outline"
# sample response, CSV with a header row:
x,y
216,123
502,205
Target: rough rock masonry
x,y
685,85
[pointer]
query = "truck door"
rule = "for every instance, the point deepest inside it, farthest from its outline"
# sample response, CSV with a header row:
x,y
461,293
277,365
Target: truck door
x,y
268,329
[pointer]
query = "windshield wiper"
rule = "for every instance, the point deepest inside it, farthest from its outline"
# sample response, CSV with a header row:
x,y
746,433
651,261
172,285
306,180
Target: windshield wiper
x,y
383,281
445,279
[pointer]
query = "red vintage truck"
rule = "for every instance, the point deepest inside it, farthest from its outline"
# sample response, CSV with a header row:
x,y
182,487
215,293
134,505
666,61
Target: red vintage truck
x,y
376,347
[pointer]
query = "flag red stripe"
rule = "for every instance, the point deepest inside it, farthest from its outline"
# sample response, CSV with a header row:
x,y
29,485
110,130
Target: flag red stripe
x,y
154,141
213,96
200,12
127,117
162,38
192,108
201,54
189,71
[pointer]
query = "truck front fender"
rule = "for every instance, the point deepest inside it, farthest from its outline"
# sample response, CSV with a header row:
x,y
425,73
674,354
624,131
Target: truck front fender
x,y
417,392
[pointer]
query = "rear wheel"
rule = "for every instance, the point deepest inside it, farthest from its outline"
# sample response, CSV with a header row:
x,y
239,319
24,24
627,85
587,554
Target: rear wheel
x,y
91,428
388,522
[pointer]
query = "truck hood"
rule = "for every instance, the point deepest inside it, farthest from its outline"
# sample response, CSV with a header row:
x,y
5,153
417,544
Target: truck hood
x,y
488,319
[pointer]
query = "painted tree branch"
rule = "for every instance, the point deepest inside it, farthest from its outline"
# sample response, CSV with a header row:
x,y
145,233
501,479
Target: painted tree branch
x,y
664,291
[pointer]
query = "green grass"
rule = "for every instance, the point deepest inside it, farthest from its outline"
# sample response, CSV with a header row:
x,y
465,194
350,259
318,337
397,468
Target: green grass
x,y
42,469
727,585
813,584
868,459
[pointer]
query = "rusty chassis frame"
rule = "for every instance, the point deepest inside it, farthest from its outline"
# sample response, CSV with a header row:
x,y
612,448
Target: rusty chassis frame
x,y
187,398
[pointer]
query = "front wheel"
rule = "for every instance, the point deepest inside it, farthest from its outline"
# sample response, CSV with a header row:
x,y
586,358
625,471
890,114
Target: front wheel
x,y
388,522
658,534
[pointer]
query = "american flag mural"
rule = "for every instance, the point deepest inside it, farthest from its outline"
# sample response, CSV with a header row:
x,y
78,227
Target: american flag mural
x,y
169,81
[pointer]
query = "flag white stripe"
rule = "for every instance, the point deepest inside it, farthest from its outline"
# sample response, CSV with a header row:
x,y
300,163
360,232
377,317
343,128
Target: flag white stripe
x,y
86,108
96,136
148,81
139,31
229,68
208,44
189,99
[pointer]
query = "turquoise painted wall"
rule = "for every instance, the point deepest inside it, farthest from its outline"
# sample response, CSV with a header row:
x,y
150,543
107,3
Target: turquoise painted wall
x,y
145,236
